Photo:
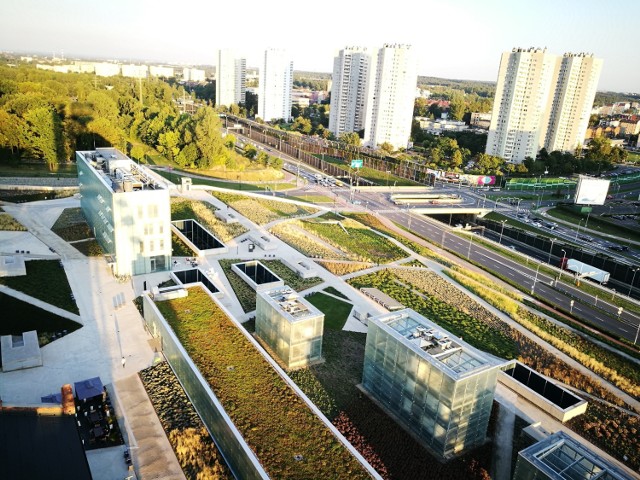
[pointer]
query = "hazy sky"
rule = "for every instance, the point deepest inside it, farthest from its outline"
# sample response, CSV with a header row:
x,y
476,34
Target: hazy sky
x,y
453,38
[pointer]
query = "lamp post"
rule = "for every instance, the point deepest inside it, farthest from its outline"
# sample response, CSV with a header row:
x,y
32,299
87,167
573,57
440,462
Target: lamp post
x,y
564,255
550,250
388,172
535,280
587,221
502,231
444,232
635,270
578,231
484,199
637,332
470,243
409,211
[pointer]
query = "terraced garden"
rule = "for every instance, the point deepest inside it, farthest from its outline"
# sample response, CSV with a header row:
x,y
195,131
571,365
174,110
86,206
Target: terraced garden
x,y
289,440
290,277
294,235
262,211
204,213
344,268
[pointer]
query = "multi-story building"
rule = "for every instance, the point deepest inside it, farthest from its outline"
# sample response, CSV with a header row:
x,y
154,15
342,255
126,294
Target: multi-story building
x,y
480,120
135,71
561,457
290,325
161,71
231,75
127,209
522,103
542,100
630,126
391,97
106,69
276,82
374,90
351,74
193,75
575,90
437,386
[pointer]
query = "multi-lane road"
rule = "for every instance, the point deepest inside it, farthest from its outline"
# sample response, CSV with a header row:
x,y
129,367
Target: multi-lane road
x,y
598,311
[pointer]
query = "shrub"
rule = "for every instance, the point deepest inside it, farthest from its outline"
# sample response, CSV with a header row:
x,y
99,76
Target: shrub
x,y
10,224
262,211
204,213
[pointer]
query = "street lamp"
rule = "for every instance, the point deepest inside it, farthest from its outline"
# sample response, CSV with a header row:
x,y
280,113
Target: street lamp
x,y
470,243
388,172
551,249
533,287
409,211
502,231
635,270
564,255
578,231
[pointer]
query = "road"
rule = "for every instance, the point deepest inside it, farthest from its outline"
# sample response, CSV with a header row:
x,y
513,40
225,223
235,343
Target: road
x,y
587,307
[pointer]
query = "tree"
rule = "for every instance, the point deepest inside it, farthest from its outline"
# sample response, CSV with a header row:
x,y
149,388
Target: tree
x,y
387,148
302,125
350,138
45,134
250,151
208,139
230,141
12,132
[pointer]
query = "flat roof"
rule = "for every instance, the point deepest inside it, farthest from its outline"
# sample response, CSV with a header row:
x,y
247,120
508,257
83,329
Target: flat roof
x,y
290,304
434,343
561,457
119,172
382,298
41,446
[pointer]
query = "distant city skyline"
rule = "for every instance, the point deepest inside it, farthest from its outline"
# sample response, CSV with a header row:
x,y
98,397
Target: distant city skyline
x,y
459,39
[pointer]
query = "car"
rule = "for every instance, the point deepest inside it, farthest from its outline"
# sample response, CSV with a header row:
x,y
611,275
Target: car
x,y
586,238
618,248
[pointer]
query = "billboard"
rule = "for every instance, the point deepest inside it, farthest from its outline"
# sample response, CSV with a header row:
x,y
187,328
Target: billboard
x,y
591,191
479,180
357,163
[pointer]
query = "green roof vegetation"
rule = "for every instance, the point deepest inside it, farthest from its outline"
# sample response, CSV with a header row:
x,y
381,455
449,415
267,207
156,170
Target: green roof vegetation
x,y
262,211
45,280
274,421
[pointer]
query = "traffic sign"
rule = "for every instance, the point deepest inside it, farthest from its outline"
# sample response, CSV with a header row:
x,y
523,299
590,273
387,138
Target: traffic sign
x,y
356,163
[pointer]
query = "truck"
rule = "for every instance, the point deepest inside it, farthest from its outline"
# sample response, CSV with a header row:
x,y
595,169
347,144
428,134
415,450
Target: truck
x,y
584,270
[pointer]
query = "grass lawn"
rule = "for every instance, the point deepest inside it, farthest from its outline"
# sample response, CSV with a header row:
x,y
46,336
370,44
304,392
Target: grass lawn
x,y
234,185
376,176
273,420
335,311
16,169
45,280
313,198
21,317
336,292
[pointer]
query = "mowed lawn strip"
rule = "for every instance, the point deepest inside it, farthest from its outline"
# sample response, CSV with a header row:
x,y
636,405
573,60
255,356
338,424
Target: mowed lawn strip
x,y
274,421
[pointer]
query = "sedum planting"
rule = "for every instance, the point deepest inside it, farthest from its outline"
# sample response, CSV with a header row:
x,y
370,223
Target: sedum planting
x,y
278,426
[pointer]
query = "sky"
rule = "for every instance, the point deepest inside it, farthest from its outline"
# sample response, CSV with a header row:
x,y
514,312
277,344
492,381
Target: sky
x,y
461,39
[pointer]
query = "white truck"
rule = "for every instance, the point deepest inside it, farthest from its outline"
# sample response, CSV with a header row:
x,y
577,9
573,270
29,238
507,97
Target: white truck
x,y
583,270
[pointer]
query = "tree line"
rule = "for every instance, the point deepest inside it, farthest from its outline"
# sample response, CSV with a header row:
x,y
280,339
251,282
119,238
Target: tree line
x,y
46,116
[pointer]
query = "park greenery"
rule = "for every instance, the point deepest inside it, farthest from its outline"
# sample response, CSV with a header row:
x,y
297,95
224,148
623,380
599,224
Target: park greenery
x,y
46,116
273,420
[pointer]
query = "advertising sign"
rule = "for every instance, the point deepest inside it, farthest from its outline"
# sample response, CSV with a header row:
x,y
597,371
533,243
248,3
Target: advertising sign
x,y
356,163
591,191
